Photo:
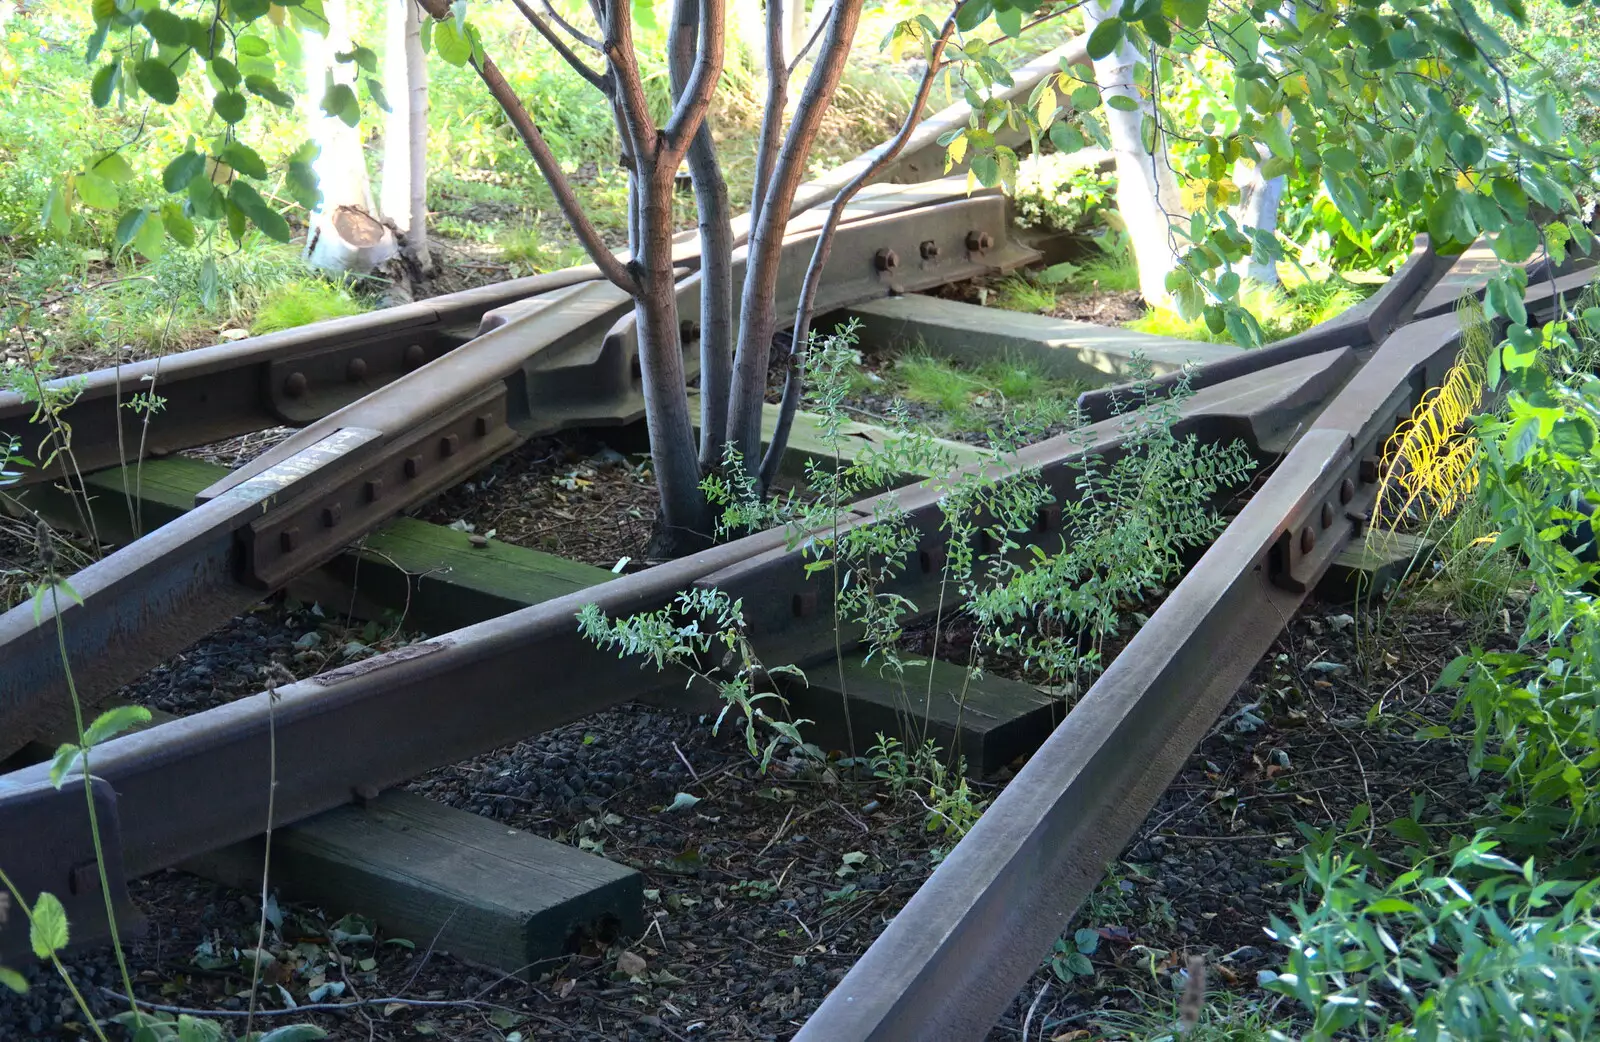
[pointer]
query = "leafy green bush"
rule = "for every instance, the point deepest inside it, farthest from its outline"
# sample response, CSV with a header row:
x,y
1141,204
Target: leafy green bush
x,y
1471,947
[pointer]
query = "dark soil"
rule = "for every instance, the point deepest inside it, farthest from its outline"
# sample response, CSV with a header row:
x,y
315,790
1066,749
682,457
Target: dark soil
x,y
756,912
1103,309
573,496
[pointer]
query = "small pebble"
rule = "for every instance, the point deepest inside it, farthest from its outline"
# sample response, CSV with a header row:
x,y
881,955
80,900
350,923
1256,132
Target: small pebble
x,y
478,541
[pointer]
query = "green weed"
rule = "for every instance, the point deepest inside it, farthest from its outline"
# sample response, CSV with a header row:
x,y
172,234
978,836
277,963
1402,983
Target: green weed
x,y
302,302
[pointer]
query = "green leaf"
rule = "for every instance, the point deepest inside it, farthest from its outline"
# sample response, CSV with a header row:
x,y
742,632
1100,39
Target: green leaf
x,y
65,759
47,931
340,101
249,202
129,224
176,177
367,60
247,11
1341,159
166,27
156,80
375,89
1086,98
97,192
1409,830
451,44
57,214
294,1033
1078,962
244,159
178,224
1107,37
1122,103
112,167
1546,119
986,169
11,979
230,105
104,84
208,283
1009,20
226,72
151,240
972,13
264,87
193,1029
114,721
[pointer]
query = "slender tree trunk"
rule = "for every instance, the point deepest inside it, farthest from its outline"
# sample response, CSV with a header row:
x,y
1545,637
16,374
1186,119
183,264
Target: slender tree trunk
x,y
344,234
1147,189
1258,200
405,137
716,250
758,303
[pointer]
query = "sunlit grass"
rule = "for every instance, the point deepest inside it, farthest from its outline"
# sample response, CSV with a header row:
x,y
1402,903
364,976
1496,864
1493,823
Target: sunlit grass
x,y
302,302
1282,312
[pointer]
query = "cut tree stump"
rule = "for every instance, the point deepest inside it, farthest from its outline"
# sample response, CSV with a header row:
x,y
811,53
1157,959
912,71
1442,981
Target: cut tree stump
x,y
1056,347
990,721
475,888
1370,566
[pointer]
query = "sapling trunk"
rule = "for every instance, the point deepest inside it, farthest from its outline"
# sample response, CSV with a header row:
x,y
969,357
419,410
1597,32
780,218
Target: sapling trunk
x,y
1147,189
405,136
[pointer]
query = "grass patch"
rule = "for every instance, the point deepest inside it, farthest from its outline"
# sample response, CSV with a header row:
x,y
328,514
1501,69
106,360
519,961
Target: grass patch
x,y
1281,311
302,302
972,398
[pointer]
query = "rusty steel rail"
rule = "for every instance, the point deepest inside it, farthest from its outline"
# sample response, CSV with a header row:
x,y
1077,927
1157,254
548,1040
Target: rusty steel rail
x,y
565,358
195,784
954,957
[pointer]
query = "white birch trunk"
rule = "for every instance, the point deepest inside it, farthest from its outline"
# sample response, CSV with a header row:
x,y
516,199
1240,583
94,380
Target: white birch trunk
x,y
1257,208
405,134
1147,189
344,234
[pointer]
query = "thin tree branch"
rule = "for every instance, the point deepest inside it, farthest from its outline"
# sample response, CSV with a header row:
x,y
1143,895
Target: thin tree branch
x,y
560,187
623,64
578,64
811,41
772,112
819,257
758,309
694,101
572,30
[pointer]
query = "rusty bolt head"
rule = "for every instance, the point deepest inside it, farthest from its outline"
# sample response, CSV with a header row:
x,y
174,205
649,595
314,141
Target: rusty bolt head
x,y
288,539
1347,490
929,250
449,444
1308,540
978,241
412,466
688,330
296,385
356,371
373,489
1327,515
332,514
1369,470
886,260
414,356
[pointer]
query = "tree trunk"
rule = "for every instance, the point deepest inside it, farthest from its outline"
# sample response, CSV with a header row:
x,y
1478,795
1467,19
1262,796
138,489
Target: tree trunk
x,y
1258,200
343,233
716,250
405,136
1257,210
1147,189
758,303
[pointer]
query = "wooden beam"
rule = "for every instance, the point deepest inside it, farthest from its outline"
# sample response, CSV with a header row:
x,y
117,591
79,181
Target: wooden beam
x,y
488,893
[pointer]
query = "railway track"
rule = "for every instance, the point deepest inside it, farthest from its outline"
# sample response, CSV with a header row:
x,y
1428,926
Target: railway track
x,y
395,407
